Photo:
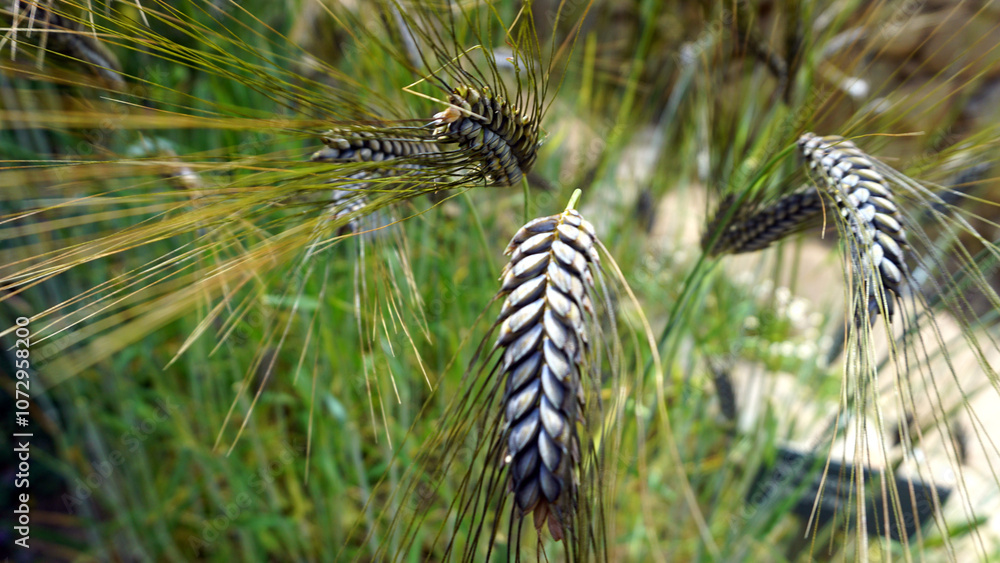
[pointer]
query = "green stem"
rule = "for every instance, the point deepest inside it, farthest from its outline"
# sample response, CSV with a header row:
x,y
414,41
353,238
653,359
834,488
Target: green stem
x,y
574,198
527,198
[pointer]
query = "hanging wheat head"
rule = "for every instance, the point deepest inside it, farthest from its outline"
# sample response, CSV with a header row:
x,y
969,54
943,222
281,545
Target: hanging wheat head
x,y
400,154
865,200
496,135
480,138
906,257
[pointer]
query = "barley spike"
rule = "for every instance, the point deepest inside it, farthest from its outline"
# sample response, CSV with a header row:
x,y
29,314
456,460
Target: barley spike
x,y
759,230
366,146
548,285
62,35
347,203
501,139
866,202
369,146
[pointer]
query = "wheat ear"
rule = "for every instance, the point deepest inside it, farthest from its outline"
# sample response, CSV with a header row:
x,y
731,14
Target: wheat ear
x,y
548,285
367,146
497,135
876,234
749,232
370,146
71,39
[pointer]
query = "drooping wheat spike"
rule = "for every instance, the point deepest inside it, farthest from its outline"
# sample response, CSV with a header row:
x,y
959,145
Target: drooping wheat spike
x,y
543,333
496,142
866,201
757,230
70,38
914,253
753,230
347,203
371,146
502,140
400,152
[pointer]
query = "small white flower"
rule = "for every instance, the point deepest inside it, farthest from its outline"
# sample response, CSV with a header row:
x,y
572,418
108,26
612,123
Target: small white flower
x,y
815,319
783,296
797,311
806,350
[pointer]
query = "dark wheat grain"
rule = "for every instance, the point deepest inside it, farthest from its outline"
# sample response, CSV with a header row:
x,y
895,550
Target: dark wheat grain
x,y
499,137
873,220
548,284
749,232
367,146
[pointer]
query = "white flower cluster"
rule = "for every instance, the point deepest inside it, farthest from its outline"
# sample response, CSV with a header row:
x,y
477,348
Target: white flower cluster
x,y
805,339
